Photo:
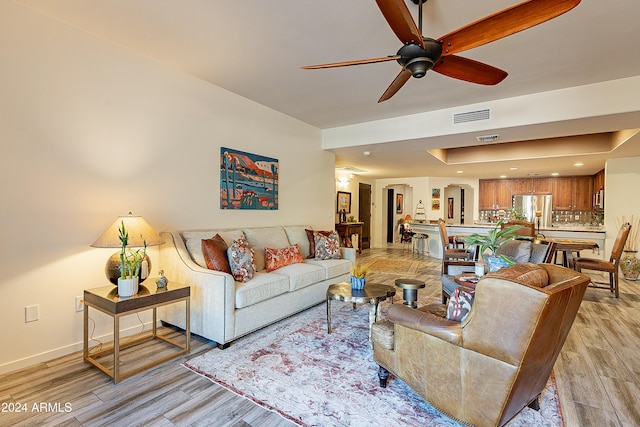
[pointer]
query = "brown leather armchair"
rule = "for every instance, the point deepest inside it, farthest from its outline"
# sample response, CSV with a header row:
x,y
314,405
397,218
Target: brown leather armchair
x,y
484,370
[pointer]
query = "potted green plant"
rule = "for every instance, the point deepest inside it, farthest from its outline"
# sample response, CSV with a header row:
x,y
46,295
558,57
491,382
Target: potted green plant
x,y
495,238
130,264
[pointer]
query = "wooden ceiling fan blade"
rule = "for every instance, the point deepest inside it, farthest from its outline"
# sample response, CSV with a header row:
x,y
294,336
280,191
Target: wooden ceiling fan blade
x,y
349,63
504,23
401,22
469,70
396,85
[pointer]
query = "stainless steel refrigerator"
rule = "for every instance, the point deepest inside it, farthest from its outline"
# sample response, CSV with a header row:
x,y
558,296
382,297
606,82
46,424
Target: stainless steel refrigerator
x,y
528,205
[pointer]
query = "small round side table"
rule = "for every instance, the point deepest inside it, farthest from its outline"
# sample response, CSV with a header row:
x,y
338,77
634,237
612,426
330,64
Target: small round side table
x,y
410,290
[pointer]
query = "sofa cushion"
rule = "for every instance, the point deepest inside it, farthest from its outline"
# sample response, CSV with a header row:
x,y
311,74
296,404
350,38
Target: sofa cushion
x,y
277,258
525,274
459,305
262,287
241,260
193,241
332,267
215,254
302,275
327,246
298,235
517,250
268,237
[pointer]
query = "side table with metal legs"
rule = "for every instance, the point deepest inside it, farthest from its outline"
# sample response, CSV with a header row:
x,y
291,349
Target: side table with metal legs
x,y
410,290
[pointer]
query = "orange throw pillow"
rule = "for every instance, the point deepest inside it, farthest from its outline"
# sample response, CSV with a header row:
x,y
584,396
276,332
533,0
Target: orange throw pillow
x,y
215,254
276,258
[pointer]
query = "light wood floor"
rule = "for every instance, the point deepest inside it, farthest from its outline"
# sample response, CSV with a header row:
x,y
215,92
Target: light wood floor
x,y
598,375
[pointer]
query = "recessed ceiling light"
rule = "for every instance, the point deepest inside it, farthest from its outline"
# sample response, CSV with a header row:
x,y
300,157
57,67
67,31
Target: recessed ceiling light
x,y
578,164
366,153
513,169
555,174
503,176
459,171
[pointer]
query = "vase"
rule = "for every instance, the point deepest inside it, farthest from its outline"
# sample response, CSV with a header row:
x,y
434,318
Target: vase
x,y
358,282
630,265
495,263
127,287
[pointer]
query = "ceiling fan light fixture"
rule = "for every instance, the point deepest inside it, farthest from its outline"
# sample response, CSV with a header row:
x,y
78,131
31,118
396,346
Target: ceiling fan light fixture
x,y
419,67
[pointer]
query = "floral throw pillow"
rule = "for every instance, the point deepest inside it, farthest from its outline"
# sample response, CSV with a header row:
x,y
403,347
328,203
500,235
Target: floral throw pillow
x,y
327,245
460,305
276,258
241,260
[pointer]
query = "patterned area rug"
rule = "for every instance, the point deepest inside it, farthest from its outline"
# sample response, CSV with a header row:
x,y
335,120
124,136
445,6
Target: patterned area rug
x,y
390,266
317,379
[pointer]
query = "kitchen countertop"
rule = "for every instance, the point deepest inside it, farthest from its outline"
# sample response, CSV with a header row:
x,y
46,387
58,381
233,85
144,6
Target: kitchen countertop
x,y
568,231
563,227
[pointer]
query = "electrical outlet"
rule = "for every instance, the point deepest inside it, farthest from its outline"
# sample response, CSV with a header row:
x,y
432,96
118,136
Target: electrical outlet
x,y
79,304
31,313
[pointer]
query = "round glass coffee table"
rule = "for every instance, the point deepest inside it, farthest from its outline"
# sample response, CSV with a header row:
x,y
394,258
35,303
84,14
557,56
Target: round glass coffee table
x,y
373,294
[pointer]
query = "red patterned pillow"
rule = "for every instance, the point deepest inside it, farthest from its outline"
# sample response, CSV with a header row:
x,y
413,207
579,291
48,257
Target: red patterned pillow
x,y
276,258
460,305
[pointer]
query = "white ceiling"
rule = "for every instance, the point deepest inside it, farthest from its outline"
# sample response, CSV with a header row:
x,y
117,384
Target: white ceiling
x,y
255,49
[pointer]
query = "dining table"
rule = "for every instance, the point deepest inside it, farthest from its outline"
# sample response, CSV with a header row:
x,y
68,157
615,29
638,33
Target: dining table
x,y
570,246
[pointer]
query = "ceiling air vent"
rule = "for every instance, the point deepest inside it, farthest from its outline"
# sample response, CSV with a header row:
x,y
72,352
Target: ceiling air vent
x,y
487,138
351,169
471,116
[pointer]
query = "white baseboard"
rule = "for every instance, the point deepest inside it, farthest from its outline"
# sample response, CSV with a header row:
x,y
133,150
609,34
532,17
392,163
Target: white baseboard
x,y
46,356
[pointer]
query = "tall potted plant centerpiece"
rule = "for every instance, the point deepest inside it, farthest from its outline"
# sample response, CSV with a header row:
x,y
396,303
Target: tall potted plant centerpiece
x,y
130,263
495,238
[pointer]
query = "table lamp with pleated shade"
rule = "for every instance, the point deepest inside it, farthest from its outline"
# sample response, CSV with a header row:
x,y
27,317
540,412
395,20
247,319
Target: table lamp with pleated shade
x,y
139,232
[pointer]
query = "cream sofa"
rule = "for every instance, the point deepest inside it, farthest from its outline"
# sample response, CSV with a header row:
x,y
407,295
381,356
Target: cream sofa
x,y
222,309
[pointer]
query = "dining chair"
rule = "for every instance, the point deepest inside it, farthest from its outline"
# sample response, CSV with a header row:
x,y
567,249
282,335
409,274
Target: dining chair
x,y
449,251
610,266
527,228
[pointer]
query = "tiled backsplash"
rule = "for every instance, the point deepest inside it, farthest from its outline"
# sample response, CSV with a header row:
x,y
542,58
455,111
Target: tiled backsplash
x,y
557,217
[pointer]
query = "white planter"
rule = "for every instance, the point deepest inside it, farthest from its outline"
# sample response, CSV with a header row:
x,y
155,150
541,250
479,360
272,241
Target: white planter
x,y
127,287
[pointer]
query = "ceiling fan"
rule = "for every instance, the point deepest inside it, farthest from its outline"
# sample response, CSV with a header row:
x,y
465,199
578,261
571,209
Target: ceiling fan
x,y
420,54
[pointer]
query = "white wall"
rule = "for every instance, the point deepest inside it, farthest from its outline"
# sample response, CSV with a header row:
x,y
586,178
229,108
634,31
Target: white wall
x,y
419,189
622,178
90,131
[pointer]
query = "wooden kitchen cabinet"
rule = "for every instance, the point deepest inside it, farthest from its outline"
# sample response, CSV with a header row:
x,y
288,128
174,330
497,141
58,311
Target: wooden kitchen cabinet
x,y
532,186
573,193
598,181
494,194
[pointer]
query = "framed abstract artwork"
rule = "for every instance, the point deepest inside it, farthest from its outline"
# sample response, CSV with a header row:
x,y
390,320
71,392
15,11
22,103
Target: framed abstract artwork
x,y
399,203
248,181
343,202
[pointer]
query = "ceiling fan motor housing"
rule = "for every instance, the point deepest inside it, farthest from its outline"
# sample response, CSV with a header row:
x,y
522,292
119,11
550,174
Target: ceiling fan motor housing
x,y
418,60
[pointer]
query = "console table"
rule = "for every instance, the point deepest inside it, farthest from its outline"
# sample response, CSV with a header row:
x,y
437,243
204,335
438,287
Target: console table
x,y
346,229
